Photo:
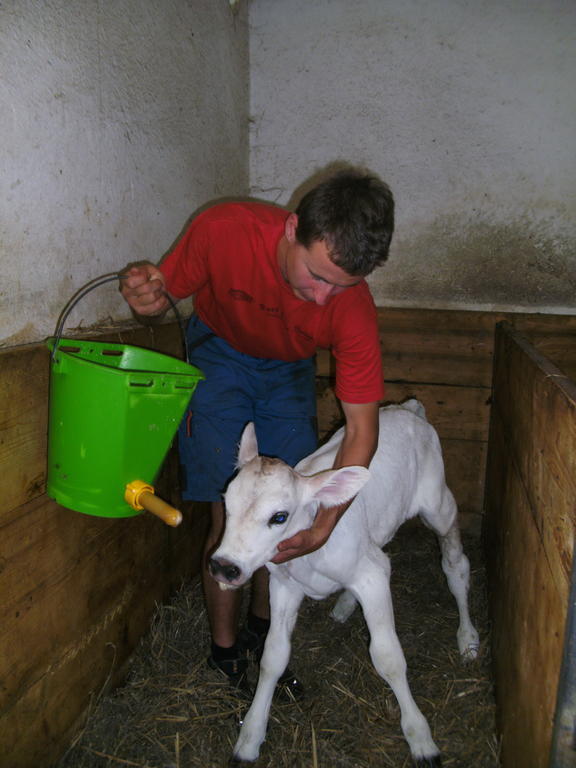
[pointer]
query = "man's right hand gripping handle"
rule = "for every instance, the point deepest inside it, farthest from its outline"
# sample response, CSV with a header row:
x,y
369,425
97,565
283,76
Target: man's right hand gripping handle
x,y
143,290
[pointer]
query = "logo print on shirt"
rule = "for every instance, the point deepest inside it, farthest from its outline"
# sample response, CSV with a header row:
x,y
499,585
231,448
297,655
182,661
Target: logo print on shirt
x,y
271,311
240,295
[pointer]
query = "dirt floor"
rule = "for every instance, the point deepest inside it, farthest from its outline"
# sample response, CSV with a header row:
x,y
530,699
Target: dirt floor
x,y
174,712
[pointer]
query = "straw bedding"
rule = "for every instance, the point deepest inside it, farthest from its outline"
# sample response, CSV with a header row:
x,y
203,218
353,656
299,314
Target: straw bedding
x,y
174,712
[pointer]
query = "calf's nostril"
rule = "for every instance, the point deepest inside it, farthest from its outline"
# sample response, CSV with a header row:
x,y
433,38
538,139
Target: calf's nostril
x,y
231,572
214,566
222,568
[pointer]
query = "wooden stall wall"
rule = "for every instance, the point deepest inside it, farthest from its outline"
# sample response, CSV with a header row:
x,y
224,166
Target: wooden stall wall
x,y
444,358
529,535
76,592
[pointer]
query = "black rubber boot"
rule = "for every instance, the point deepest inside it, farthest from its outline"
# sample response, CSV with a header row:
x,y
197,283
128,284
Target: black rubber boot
x,y
289,687
235,669
251,643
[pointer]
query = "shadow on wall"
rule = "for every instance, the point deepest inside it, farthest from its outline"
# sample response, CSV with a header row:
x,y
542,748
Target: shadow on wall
x,y
476,262
321,175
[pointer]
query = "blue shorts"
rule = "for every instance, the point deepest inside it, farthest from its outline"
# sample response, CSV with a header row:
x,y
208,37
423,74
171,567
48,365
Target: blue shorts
x,y
279,397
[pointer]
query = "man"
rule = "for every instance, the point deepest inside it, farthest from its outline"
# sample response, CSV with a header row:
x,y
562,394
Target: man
x,y
270,287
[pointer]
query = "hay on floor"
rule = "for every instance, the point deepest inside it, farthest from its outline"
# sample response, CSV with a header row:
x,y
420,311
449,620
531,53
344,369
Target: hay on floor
x,y
174,712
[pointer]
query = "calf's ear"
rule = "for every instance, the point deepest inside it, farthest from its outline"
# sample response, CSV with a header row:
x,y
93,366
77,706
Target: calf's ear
x,y
248,448
336,486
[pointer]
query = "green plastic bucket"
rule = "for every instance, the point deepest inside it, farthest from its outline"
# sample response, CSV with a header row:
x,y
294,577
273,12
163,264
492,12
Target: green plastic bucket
x,y
114,411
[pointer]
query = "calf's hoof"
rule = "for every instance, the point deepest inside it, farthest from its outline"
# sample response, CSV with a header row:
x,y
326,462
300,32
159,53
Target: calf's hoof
x,y
468,644
469,649
429,762
236,762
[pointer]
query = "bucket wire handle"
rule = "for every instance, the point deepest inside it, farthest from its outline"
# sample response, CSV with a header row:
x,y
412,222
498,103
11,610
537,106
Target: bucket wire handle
x,y
96,283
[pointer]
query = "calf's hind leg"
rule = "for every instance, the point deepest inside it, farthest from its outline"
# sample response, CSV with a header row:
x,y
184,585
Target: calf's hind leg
x,y
371,586
344,607
456,567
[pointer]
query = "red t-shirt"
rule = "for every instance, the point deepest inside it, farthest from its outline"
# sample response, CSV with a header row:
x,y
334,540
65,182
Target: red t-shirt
x,y
228,259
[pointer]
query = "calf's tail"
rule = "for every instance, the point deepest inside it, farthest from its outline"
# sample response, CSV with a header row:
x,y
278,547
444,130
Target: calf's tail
x,y
416,407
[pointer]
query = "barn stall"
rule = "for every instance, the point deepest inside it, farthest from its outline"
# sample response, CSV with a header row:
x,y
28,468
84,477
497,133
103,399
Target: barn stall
x,y
79,593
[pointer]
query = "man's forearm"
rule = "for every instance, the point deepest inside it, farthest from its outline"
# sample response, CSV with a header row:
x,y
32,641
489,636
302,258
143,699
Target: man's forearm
x,y
327,518
357,449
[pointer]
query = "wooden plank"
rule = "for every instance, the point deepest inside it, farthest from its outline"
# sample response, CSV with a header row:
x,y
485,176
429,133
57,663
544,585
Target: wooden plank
x,y
44,721
437,353
465,463
23,424
539,406
329,413
559,349
529,537
455,347
461,413
40,727
62,571
527,627
75,584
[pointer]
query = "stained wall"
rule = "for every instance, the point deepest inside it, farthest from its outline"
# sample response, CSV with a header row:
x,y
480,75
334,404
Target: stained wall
x,y
468,111
117,120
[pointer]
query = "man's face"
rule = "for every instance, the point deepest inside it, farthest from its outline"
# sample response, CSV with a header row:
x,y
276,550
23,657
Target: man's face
x,y
310,272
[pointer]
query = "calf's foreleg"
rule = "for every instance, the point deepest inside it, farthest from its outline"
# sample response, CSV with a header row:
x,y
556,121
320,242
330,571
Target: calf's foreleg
x,y
372,588
285,599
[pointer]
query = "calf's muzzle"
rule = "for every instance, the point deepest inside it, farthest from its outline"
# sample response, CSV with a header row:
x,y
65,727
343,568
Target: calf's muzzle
x,y
223,570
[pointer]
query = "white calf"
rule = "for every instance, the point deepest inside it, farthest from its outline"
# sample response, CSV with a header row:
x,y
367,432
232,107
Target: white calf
x,y
269,501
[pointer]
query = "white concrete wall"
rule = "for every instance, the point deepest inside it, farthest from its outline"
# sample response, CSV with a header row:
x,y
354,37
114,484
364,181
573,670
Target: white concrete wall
x,y
466,108
117,120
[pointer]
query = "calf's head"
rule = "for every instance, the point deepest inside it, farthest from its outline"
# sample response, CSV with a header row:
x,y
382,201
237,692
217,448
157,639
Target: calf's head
x,y
268,502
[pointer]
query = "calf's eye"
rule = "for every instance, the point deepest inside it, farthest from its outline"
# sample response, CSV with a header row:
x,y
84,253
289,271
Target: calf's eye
x,y
278,518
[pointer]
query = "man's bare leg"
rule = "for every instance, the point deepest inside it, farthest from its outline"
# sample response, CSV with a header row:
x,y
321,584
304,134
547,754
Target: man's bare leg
x,y
223,606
